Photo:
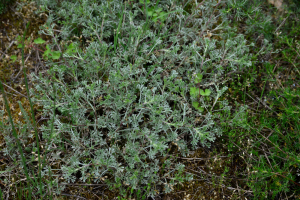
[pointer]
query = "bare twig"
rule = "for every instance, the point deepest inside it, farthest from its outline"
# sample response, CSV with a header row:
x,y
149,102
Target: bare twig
x,y
262,103
22,67
8,47
15,90
281,24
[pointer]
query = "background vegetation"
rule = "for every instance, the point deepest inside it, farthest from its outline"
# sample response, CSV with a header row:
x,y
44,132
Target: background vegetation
x,y
256,156
4,4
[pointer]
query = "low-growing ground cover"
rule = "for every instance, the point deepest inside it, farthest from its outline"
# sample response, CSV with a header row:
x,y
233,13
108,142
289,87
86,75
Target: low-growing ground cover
x,y
212,80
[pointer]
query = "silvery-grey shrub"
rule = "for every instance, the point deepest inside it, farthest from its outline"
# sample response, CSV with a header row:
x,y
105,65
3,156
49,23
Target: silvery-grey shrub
x,y
131,105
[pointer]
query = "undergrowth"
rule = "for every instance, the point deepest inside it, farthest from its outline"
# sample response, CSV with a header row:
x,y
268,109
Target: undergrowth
x,y
146,85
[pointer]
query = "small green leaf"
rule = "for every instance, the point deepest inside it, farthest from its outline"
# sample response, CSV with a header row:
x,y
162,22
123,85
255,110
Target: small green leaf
x,y
20,45
163,16
150,13
141,1
39,41
71,49
55,54
205,93
198,78
46,53
194,91
196,106
14,58
19,38
158,10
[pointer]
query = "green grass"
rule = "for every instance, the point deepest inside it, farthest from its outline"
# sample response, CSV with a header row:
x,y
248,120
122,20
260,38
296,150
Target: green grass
x,y
268,139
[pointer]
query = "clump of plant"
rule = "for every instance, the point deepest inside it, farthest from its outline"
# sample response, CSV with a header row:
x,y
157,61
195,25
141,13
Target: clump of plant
x,y
270,132
154,12
136,98
279,169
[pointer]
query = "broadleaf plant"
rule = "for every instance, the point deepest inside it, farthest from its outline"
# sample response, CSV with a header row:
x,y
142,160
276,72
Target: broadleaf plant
x,y
207,92
48,54
39,41
155,12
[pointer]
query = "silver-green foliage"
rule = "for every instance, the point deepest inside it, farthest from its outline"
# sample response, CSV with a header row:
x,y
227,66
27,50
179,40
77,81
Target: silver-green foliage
x,y
127,131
